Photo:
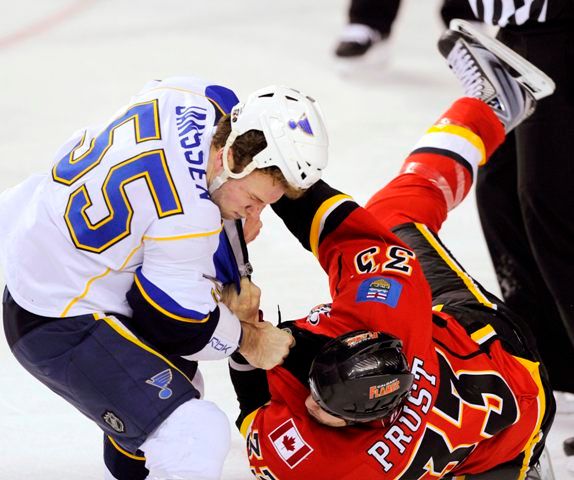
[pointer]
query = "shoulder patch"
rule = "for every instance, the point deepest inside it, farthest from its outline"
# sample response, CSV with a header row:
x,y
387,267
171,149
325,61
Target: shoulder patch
x,y
380,289
289,443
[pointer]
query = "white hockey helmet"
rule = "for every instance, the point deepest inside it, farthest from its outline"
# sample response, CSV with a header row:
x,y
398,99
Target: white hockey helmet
x,y
296,138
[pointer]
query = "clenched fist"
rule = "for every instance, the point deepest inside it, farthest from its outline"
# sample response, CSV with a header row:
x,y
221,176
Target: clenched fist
x,y
244,305
264,345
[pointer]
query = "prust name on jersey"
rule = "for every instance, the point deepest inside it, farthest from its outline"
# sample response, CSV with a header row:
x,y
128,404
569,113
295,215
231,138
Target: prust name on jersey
x,y
190,127
410,421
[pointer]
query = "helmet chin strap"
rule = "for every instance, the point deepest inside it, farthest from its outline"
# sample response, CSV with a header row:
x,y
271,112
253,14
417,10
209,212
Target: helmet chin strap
x,y
226,174
217,182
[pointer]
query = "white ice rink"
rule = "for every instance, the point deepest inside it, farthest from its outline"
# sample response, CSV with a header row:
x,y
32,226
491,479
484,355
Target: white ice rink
x,y
68,63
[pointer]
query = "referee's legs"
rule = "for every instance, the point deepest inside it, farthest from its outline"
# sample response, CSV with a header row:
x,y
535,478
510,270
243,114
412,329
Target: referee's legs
x,y
521,282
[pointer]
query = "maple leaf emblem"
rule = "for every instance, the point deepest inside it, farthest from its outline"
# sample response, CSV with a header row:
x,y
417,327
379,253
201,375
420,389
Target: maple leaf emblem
x,y
288,443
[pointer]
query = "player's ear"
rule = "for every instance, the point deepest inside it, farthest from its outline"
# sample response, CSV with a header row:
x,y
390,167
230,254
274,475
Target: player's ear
x,y
219,159
215,160
230,161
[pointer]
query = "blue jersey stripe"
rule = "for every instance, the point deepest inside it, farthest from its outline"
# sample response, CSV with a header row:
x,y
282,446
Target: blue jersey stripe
x,y
164,303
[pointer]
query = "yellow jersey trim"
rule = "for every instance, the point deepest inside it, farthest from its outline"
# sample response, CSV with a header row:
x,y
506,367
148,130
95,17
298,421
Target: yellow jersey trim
x,y
318,219
247,421
93,279
129,336
454,267
84,292
82,190
124,452
132,253
185,90
465,133
139,139
534,370
163,310
483,334
182,237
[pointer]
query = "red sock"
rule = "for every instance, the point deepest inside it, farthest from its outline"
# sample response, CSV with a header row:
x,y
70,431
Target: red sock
x,y
477,116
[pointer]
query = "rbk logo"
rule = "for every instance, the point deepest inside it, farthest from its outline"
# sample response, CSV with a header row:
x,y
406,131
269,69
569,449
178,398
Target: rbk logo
x,y
218,345
303,124
161,381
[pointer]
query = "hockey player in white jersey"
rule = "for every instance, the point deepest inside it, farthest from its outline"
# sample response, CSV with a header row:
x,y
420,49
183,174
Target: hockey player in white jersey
x,y
114,258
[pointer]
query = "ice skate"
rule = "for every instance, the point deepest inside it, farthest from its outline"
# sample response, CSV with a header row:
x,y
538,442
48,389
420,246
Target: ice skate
x,y
362,53
492,72
356,40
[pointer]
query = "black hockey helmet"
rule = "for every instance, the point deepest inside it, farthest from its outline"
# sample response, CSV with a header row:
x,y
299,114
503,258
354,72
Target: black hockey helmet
x,y
361,376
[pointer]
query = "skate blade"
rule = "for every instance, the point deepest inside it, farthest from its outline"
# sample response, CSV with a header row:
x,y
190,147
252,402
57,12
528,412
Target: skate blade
x,y
531,78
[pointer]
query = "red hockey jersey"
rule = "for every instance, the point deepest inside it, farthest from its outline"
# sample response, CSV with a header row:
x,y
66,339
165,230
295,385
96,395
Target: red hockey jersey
x,y
469,410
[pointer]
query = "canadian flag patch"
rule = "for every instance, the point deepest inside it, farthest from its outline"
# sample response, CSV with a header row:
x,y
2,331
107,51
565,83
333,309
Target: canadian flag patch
x,y
289,443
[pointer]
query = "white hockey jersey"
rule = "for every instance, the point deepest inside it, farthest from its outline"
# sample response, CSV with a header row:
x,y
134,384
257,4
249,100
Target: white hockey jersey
x,y
125,200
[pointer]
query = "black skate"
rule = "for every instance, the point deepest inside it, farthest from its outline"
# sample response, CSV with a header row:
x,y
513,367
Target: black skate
x,y
356,40
492,72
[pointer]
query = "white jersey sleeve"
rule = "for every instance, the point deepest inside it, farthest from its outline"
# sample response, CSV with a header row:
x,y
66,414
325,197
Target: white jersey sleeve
x,y
125,201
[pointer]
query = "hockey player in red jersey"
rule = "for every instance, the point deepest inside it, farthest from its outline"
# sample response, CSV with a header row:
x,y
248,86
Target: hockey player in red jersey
x,y
429,375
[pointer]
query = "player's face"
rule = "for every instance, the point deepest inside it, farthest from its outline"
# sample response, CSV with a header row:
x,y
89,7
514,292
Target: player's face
x,y
321,415
246,197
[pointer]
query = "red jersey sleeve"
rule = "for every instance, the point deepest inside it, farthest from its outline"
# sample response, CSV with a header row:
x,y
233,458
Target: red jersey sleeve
x,y
376,283
438,173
